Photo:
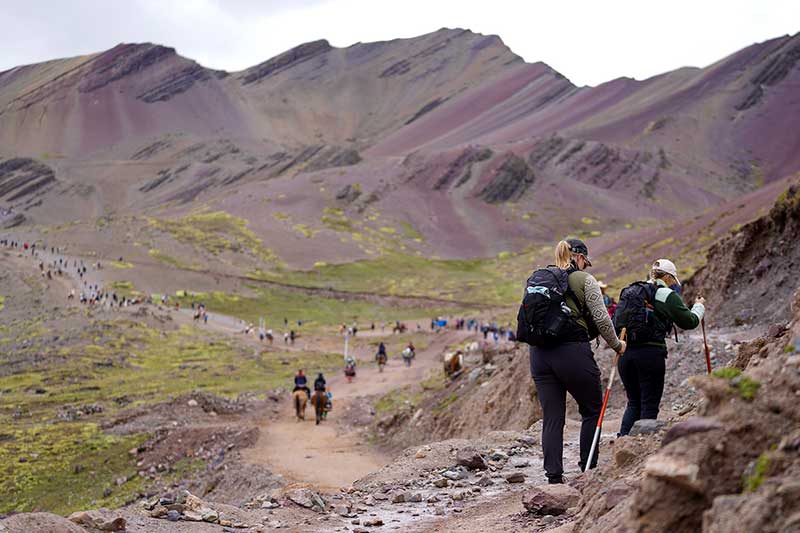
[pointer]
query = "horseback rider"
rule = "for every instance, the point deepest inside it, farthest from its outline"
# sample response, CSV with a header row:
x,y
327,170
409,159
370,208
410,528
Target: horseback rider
x,y
301,383
319,383
381,355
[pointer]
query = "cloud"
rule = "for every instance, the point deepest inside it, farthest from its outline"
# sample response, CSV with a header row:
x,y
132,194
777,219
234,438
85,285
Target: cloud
x,y
588,41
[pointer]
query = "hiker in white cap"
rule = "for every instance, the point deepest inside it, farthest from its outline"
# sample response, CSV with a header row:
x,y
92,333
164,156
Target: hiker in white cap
x,y
649,310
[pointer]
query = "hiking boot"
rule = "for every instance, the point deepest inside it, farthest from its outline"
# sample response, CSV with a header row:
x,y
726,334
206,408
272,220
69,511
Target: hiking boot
x,y
556,480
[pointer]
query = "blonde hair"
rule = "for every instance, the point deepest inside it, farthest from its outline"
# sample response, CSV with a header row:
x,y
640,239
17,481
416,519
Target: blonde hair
x,y
563,255
660,274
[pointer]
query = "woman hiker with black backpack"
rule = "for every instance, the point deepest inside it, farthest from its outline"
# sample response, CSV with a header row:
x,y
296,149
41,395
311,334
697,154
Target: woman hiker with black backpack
x,y
658,307
561,312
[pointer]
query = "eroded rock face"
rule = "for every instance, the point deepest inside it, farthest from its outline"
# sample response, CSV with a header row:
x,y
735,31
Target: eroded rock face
x,y
510,181
550,499
291,58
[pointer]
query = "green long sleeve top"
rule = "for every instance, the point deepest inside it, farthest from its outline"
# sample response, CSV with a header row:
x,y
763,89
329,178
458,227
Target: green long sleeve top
x,y
669,307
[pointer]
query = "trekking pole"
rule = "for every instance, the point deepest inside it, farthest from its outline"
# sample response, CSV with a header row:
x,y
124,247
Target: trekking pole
x,y
596,439
705,343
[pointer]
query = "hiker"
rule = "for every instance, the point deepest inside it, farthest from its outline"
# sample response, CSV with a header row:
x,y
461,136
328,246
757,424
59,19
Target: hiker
x,y
301,383
328,402
561,357
643,366
609,302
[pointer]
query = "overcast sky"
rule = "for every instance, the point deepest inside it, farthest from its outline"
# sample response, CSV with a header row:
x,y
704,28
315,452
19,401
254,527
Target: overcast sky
x,y
589,41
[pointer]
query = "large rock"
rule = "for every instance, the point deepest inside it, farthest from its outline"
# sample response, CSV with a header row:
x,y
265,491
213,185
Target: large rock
x,y
646,426
550,499
471,459
39,523
697,424
102,519
306,498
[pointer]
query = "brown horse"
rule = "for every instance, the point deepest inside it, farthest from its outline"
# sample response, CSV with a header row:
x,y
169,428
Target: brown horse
x,y
300,401
318,400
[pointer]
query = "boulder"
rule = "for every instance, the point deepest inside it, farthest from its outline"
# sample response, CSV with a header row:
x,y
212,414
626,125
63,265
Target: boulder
x,y
306,498
646,426
697,424
515,477
400,497
471,459
454,474
41,522
102,519
519,462
550,499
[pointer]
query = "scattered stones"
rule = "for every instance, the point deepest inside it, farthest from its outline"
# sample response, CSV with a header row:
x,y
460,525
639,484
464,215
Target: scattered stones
x,y
471,459
400,497
646,426
420,454
441,483
415,498
550,499
173,516
374,522
515,477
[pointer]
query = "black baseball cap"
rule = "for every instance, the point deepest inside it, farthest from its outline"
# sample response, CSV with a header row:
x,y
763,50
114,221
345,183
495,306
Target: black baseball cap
x,y
577,246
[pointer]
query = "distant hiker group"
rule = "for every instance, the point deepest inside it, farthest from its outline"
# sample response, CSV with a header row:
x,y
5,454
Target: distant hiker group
x,y
563,309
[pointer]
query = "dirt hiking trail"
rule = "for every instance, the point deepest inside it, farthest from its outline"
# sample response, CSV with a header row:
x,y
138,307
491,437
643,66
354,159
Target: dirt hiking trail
x,y
334,455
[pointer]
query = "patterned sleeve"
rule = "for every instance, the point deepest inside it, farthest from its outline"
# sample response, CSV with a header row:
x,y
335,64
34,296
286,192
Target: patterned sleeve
x,y
599,314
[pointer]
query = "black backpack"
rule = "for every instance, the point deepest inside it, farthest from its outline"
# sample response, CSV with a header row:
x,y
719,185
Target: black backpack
x,y
544,318
636,312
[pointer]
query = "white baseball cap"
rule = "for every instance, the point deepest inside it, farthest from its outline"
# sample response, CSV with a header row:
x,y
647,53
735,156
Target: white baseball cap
x,y
667,266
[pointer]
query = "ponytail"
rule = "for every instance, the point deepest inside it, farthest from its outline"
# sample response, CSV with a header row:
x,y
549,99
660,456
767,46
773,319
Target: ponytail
x,y
563,255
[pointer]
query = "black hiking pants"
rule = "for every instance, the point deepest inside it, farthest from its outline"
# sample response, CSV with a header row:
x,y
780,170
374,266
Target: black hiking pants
x,y
566,368
642,369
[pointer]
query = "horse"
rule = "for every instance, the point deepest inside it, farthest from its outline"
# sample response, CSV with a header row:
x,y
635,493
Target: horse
x,y
350,372
381,361
408,355
318,400
453,362
300,400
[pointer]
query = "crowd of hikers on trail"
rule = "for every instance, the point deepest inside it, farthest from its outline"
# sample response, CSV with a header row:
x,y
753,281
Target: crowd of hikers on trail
x,y
53,263
563,309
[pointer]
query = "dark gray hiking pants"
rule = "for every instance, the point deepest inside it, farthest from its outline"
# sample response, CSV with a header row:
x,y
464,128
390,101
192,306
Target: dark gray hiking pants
x,y
566,368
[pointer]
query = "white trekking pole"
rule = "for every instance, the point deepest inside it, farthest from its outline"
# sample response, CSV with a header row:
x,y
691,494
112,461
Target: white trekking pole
x,y
599,427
